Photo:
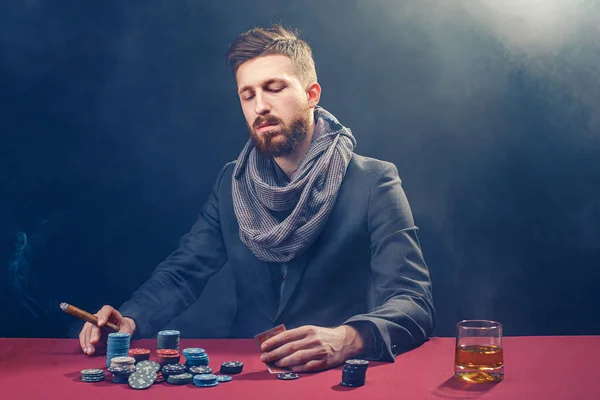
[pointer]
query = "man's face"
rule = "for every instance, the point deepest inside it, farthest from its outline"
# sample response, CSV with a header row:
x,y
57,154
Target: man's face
x,y
275,104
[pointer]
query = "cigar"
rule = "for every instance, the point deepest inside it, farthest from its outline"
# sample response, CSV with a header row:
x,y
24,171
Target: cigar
x,y
86,316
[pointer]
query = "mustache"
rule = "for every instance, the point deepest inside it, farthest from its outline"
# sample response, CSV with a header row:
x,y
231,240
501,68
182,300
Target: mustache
x,y
268,119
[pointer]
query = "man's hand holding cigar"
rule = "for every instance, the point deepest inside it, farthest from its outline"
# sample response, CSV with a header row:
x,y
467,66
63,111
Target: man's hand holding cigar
x,y
92,338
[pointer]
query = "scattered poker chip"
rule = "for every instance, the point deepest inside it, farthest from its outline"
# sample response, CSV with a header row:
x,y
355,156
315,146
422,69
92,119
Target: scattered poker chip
x,y
288,376
205,385
140,380
201,369
224,378
231,367
152,366
205,380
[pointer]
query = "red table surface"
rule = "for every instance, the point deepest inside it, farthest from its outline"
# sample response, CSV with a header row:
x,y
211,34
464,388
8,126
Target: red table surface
x,y
546,367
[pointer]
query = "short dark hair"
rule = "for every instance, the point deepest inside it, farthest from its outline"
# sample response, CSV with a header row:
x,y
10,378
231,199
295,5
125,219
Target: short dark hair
x,y
276,39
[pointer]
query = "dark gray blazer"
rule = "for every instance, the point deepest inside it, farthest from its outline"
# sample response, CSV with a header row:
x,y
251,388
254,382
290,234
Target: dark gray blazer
x,y
365,269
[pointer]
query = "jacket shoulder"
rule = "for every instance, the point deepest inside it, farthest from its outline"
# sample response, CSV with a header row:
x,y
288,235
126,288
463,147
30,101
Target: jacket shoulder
x,y
369,167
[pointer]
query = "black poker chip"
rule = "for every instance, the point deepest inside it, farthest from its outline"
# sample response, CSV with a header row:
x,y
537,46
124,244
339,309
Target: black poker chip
x,y
231,367
179,379
288,376
354,373
356,363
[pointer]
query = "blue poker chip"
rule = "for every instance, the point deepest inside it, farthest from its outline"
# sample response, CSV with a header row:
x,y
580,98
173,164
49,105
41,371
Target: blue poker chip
x,y
205,378
193,351
224,378
169,332
200,369
119,335
205,385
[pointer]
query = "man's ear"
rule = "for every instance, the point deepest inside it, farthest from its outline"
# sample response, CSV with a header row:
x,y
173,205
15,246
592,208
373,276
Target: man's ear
x,y
313,93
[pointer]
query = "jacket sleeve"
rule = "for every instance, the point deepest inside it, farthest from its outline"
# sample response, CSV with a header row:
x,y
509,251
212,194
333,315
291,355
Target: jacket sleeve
x,y
402,314
178,281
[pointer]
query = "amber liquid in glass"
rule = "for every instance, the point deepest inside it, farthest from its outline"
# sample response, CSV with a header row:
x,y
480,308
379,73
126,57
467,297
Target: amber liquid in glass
x,y
479,363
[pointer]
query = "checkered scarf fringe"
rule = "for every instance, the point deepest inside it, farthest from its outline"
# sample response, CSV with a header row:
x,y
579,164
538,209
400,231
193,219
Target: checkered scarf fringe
x,y
259,186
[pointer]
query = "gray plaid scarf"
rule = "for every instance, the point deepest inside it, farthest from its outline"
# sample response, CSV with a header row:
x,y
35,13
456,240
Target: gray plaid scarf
x,y
260,187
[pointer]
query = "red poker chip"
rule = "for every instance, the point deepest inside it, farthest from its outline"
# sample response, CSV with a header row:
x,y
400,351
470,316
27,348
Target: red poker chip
x,y
139,351
167,352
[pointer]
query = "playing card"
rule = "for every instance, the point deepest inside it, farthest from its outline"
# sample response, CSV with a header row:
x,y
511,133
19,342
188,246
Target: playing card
x,y
262,337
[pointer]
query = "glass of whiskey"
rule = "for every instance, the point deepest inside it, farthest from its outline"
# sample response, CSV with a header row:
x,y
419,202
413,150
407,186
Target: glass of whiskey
x,y
479,357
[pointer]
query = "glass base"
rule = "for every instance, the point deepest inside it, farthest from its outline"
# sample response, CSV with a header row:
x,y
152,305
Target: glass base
x,y
479,376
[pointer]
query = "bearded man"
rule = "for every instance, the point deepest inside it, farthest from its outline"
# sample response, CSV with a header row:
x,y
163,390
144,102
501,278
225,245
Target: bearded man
x,y
318,237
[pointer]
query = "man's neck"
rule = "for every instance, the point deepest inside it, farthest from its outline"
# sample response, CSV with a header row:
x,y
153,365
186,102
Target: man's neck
x,y
289,163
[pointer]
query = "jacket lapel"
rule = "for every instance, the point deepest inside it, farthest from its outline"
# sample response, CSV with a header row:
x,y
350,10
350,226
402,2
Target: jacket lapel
x,y
295,272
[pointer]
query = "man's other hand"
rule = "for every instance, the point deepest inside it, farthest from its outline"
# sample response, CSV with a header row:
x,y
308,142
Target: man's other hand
x,y
93,339
312,348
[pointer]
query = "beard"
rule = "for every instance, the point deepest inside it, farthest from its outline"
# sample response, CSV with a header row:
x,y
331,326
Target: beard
x,y
290,135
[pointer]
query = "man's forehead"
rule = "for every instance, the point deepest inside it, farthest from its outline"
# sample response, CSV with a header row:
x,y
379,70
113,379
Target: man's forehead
x,y
259,70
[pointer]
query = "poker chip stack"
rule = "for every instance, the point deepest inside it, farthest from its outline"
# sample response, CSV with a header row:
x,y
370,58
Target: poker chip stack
x,y
168,340
120,373
205,380
167,356
172,369
180,379
195,357
117,345
121,361
160,378
354,373
92,375
231,367
139,354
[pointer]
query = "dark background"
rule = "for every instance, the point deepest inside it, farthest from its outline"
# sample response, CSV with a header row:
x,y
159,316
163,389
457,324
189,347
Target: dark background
x,y
116,117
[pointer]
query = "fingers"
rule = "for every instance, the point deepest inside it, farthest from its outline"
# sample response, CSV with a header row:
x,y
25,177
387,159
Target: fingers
x,y
87,338
285,337
301,357
84,337
311,366
107,313
284,350
91,337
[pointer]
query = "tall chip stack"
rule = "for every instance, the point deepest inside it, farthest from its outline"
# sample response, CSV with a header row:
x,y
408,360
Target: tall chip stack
x,y
354,373
117,345
168,340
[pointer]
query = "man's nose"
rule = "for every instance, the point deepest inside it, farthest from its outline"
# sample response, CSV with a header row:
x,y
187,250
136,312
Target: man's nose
x,y
262,107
